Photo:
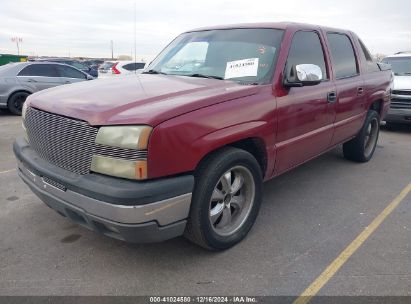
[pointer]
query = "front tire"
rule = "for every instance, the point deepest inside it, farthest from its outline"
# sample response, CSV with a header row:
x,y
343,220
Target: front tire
x,y
226,199
16,102
361,148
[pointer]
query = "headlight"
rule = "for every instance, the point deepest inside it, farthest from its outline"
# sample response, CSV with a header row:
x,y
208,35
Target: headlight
x,y
129,137
23,115
23,110
125,137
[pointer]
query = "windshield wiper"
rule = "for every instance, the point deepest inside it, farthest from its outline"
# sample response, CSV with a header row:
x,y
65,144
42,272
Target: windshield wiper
x,y
402,73
204,76
154,72
248,83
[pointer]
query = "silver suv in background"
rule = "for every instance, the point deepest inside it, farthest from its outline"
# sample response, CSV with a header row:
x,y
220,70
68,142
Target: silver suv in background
x,y
120,68
19,80
400,109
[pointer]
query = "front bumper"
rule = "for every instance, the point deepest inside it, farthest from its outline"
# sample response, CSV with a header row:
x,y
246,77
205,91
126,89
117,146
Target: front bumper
x,y
398,116
132,211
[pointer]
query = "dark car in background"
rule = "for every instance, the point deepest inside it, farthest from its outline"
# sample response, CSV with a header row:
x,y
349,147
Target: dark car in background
x,y
75,63
93,63
19,80
105,67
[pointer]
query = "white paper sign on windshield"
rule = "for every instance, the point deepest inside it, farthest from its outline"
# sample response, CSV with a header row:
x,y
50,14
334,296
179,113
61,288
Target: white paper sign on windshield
x,y
241,68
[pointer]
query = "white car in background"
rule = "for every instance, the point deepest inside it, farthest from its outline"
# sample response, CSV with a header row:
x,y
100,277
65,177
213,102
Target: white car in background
x,y
121,68
400,108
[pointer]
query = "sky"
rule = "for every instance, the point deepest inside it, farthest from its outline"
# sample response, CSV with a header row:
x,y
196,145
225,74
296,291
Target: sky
x,y
86,27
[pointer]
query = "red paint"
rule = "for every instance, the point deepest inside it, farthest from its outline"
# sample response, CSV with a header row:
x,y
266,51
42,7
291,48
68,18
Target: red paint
x,y
193,116
114,69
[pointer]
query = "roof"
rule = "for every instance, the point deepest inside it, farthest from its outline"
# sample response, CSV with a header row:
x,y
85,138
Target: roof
x,y
274,25
15,67
52,59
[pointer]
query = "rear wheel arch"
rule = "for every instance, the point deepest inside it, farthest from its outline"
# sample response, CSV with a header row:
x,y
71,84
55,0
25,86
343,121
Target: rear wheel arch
x,y
361,148
18,91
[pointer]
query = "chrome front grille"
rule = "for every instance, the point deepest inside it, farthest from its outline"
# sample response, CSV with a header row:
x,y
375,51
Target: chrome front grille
x,y
54,183
69,143
64,142
401,99
400,103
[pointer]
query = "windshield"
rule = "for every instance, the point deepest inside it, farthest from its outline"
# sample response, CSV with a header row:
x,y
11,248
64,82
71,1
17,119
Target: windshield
x,y
247,56
401,66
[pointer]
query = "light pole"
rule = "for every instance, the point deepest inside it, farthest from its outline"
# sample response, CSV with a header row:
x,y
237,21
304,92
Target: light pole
x,y
17,40
135,41
112,49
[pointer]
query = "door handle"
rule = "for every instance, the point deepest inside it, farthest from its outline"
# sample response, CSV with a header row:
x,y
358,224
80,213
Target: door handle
x,y
332,97
31,80
360,91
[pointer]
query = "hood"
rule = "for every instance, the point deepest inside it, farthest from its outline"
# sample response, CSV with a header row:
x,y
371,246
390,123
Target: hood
x,y
136,99
402,82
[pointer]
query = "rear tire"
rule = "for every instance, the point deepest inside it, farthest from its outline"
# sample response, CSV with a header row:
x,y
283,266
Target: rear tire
x,y
16,101
226,199
361,148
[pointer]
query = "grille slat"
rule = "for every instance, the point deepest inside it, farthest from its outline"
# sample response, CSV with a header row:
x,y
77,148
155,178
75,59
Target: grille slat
x,y
402,92
69,143
129,154
398,103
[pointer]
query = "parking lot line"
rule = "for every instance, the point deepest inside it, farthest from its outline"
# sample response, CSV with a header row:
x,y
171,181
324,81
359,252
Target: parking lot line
x,y
7,171
332,269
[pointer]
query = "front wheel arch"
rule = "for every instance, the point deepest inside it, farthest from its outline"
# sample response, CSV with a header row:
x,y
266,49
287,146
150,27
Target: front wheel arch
x,y
198,228
12,108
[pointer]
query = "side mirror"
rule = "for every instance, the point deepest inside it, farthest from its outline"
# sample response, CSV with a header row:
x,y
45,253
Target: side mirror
x,y
303,75
89,77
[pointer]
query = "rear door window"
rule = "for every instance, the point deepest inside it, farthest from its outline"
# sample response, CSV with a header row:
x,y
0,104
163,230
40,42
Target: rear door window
x,y
343,55
370,64
69,72
306,48
45,70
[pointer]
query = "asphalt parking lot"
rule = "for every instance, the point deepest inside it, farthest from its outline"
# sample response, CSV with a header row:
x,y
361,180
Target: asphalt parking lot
x,y
308,217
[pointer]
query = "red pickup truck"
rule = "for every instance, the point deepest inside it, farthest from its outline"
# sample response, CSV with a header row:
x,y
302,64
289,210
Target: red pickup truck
x,y
183,148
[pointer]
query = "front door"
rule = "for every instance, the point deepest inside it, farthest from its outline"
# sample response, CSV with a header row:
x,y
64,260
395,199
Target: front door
x,y
305,114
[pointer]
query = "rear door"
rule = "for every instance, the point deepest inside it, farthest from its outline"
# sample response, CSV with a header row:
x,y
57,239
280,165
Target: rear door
x,y
306,114
351,96
39,76
69,74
